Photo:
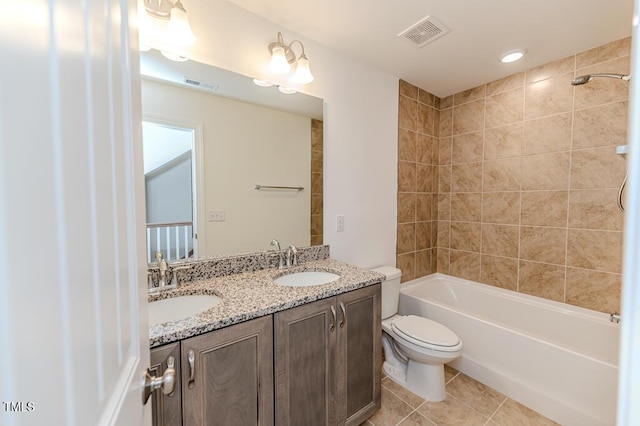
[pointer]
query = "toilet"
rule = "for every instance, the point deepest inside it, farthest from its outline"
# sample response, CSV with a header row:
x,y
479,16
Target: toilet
x,y
415,348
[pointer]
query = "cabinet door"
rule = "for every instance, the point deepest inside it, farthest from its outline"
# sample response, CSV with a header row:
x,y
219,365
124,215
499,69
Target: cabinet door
x,y
359,354
166,410
305,339
229,380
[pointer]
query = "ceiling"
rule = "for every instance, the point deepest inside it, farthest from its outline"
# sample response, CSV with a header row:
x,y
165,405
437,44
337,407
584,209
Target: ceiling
x,y
466,57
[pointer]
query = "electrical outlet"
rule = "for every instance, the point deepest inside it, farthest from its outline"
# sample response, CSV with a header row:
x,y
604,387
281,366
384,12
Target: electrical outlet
x,y
339,223
216,216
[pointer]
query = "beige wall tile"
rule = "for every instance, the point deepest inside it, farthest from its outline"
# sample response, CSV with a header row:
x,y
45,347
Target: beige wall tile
x,y
316,240
604,125
423,263
406,176
446,102
599,250
434,260
544,208
444,230
406,207
465,265
316,225
434,206
500,272
500,240
500,207
501,175
467,148
406,238
552,69
603,90
423,235
476,395
444,206
408,90
468,117
316,183
426,149
505,108
444,178
466,177
595,209
542,280
549,97
446,122
316,203
407,264
503,142
604,53
466,206
407,143
425,178
426,98
506,84
469,95
408,113
548,134
540,244
442,256
316,161
465,236
595,290
426,119
597,168
545,171
423,207
444,150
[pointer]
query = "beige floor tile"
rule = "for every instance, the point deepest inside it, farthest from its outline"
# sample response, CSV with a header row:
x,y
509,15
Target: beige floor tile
x,y
476,395
416,419
451,412
512,413
449,373
392,411
409,397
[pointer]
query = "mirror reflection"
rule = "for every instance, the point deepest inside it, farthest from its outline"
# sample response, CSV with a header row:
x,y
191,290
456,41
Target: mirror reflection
x,y
210,138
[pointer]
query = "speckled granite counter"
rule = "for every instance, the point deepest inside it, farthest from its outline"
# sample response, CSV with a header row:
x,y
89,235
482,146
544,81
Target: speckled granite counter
x,y
255,294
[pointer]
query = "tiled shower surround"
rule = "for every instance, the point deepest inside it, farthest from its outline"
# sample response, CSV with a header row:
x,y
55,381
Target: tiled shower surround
x,y
527,179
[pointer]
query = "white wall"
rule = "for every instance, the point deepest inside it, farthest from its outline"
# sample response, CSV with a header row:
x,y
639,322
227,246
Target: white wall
x,y
168,192
245,145
361,110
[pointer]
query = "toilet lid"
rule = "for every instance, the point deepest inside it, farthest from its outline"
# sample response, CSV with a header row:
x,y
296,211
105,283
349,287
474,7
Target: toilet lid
x,y
420,330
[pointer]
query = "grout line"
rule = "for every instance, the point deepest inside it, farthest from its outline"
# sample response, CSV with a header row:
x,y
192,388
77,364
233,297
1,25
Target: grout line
x,y
496,410
566,242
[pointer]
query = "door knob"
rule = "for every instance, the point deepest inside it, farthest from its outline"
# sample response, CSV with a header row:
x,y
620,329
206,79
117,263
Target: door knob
x,y
166,382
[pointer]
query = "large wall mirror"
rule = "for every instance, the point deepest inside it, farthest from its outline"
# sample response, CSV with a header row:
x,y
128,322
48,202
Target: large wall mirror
x,y
229,165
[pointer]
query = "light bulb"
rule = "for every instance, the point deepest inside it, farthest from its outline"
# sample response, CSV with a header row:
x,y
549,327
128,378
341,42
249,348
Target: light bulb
x,y
279,64
303,73
178,31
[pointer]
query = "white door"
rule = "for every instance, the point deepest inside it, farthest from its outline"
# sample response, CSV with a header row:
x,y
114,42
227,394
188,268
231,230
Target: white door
x,y
73,316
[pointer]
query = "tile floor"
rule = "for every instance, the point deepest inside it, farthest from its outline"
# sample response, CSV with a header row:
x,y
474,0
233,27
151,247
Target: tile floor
x,y
468,403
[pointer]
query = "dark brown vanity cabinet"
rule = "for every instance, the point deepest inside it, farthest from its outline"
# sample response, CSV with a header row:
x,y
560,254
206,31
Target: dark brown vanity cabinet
x,y
166,410
327,360
225,378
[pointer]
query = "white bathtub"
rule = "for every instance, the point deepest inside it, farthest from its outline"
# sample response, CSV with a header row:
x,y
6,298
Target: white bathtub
x,y
560,360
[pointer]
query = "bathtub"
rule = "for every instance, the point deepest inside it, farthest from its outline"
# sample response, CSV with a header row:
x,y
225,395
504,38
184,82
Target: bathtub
x,y
559,360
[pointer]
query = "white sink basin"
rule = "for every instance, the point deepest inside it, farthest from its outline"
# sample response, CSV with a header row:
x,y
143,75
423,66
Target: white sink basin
x,y
303,279
181,307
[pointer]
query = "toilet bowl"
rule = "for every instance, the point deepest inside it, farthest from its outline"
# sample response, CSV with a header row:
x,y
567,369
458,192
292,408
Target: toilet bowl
x,y
415,348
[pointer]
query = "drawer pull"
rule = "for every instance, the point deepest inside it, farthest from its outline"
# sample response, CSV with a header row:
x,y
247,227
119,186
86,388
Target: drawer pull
x,y
344,315
192,368
333,321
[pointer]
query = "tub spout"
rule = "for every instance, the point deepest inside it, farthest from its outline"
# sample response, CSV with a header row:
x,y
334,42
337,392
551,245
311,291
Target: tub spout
x,y
615,317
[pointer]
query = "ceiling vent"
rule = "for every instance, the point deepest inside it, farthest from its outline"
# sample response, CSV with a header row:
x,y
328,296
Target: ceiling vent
x,y
424,32
201,84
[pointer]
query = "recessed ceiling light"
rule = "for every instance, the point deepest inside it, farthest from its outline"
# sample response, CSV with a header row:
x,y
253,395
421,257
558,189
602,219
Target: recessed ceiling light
x,y
512,56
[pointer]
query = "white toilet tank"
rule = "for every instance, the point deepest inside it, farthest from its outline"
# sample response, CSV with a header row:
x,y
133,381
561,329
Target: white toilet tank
x,y
390,290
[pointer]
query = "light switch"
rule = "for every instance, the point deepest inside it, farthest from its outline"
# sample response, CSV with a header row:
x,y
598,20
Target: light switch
x,y
216,216
339,223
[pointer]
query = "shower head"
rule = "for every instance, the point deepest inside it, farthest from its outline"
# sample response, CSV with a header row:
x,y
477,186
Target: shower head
x,y
584,79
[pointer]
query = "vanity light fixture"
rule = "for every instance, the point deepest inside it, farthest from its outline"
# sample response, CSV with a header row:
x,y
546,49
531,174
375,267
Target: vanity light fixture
x,y
512,56
287,90
262,83
282,56
164,25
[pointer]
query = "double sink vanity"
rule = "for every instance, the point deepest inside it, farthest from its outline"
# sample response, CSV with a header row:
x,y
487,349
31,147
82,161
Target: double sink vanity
x,y
252,344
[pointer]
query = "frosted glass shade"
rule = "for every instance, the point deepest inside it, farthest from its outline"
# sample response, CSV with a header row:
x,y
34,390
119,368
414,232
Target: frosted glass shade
x,y
179,31
279,64
303,72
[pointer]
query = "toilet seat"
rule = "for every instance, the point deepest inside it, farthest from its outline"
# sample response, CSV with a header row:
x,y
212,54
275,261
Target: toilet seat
x,y
426,333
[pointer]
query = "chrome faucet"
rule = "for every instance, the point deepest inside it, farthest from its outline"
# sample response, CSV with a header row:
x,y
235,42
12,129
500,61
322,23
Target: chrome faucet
x,y
292,255
163,268
276,244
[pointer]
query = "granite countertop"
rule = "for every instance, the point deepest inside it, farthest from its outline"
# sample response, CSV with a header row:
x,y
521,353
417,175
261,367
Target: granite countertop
x,y
254,294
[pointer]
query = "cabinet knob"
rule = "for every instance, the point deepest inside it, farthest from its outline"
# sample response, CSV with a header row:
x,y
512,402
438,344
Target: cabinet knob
x,y
166,382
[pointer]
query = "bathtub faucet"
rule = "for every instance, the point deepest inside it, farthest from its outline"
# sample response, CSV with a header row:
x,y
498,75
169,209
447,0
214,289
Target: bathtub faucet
x,y
615,317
